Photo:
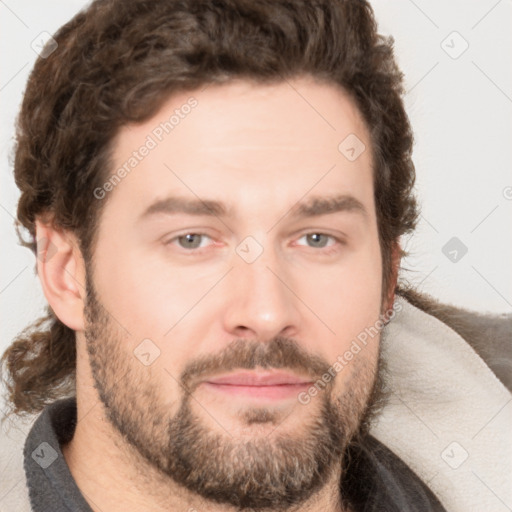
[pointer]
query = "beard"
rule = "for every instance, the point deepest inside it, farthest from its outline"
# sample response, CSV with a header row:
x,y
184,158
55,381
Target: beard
x,y
274,471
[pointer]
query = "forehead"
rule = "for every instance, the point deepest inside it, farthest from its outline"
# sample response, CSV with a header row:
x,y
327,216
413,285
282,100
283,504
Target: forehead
x,y
274,140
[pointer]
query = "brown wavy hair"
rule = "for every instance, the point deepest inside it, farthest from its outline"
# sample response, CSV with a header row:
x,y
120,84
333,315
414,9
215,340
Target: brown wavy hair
x,y
117,62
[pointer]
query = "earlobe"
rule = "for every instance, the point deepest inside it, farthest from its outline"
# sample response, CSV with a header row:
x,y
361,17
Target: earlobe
x,y
62,274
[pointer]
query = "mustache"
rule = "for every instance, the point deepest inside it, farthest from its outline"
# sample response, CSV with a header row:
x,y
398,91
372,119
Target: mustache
x,y
278,353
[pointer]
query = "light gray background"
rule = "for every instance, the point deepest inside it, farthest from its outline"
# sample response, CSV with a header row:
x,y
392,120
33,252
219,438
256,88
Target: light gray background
x,y
460,111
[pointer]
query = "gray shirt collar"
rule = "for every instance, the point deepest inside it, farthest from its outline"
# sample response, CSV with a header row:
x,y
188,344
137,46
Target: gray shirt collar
x,y
50,483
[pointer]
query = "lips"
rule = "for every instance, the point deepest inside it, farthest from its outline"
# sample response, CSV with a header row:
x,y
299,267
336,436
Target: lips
x,y
259,379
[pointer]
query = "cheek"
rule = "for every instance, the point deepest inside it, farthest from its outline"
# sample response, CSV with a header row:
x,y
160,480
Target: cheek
x,y
158,310
144,294
347,298
349,289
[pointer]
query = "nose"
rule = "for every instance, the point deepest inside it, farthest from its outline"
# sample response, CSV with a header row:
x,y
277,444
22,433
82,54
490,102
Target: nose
x,y
261,302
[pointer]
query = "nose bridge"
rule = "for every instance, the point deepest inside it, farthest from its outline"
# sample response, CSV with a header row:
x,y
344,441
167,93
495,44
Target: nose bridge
x,y
262,303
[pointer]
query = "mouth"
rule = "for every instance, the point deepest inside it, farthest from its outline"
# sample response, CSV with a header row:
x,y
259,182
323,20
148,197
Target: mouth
x,y
268,385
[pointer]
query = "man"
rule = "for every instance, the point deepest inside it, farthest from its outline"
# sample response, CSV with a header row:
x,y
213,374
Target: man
x,y
216,192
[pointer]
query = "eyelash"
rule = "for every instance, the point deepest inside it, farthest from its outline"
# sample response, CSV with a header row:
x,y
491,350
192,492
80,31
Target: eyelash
x,y
195,251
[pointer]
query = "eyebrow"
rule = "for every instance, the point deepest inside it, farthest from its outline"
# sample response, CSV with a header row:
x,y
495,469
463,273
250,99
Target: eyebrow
x,y
314,206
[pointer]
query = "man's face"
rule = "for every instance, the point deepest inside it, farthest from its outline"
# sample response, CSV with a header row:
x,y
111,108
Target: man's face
x,y
271,285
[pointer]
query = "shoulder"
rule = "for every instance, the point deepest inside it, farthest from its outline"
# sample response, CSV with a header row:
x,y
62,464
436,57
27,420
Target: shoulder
x,y
490,335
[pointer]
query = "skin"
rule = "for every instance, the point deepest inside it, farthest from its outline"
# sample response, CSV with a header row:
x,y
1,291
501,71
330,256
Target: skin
x,y
261,150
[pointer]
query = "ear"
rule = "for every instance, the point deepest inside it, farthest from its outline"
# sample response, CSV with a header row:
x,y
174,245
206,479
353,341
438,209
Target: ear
x,y
396,257
61,270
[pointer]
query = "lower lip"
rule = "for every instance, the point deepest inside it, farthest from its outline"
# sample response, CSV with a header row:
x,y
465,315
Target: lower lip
x,y
273,392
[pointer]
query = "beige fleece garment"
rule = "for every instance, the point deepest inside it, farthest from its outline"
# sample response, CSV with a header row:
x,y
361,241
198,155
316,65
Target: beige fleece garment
x,y
449,417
